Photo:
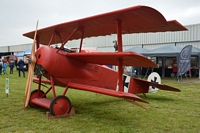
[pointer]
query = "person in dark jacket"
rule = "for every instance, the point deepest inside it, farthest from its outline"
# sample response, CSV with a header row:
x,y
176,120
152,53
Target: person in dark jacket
x,y
20,65
11,65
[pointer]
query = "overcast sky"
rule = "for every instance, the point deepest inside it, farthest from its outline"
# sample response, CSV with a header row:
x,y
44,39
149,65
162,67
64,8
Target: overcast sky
x,y
20,16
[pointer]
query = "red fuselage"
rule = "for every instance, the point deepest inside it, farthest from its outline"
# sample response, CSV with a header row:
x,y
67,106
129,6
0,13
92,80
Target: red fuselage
x,y
64,69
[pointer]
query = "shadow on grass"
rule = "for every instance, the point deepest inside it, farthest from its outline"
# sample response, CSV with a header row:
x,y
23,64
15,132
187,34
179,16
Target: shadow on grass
x,y
157,97
111,109
38,109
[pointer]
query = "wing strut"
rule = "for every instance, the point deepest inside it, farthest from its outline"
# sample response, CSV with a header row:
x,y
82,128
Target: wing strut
x,y
120,64
53,35
75,30
82,31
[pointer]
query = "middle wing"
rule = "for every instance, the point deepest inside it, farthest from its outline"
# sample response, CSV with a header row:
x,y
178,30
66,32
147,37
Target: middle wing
x,y
111,58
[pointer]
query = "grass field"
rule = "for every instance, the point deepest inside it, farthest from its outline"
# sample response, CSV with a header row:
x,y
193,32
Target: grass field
x,y
168,112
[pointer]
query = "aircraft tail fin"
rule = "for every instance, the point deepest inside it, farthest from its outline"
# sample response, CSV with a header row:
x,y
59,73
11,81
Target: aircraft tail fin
x,y
137,86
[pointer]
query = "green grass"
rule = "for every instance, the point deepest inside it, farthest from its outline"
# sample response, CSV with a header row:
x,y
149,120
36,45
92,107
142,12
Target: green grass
x,y
167,111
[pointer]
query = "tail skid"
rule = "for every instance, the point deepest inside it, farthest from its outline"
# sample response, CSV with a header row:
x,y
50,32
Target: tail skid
x,y
135,103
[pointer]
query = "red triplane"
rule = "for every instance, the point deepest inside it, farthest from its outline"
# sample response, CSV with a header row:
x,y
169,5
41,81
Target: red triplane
x,y
86,70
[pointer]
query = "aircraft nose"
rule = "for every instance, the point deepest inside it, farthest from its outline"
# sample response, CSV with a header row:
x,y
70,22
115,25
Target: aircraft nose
x,y
45,60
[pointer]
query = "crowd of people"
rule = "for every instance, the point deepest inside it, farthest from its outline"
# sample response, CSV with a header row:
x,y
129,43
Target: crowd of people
x,y
19,65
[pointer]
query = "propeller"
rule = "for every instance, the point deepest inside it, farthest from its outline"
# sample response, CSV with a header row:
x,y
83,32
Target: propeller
x,y
30,72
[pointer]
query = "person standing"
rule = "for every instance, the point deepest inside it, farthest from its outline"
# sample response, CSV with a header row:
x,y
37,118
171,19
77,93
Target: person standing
x,y
16,64
11,65
20,65
1,65
4,68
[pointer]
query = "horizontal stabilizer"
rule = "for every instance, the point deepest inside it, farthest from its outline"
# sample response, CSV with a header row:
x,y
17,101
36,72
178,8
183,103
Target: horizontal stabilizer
x,y
137,86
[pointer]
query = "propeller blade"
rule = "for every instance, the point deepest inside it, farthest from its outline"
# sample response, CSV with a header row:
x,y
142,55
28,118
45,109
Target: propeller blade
x,y
30,72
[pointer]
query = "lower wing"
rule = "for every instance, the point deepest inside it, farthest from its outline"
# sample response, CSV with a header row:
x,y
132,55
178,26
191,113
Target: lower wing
x,y
106,92
97,90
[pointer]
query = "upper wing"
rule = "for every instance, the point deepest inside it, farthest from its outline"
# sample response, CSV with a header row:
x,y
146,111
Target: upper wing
x,y
111,58
136,19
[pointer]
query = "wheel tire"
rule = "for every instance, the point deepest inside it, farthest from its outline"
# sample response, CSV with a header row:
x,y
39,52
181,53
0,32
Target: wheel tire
x,y
34,94
60,105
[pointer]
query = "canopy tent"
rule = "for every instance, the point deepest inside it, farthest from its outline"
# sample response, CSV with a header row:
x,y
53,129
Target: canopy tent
x,y
139,50
165,51
170,51
195,51
27,52
22,54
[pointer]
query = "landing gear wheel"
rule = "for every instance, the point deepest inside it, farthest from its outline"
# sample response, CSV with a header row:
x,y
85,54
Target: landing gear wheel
x,y
60,105
34,94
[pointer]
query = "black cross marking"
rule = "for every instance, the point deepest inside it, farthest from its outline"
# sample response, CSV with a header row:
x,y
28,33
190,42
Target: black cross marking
x,y
155,78
124,81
